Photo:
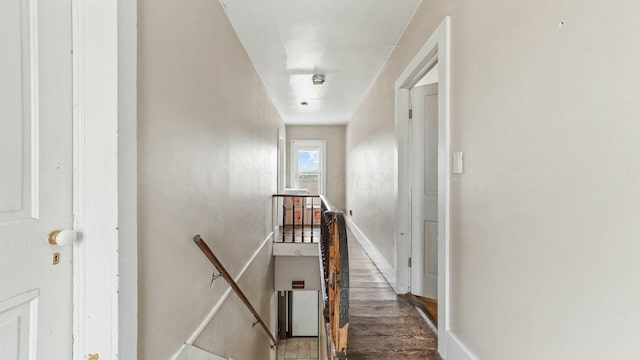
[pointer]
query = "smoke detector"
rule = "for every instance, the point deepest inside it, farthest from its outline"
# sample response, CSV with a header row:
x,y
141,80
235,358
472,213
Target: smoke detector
x,y
318,79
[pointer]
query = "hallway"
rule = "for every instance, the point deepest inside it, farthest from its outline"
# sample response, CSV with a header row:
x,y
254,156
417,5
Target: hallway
x,y
382,324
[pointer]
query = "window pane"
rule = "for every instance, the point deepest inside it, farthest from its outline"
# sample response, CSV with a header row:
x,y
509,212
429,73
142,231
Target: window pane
x,y
309,170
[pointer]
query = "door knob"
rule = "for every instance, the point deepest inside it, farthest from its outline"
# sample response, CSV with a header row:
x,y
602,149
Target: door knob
x,y
62,237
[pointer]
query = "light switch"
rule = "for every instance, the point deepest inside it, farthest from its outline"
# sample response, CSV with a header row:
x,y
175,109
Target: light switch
x,y
458,163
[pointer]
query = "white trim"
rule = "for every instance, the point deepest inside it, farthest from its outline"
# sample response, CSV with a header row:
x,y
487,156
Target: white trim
x,y
27,300
456,350
438,45
17,300
199,354
276,211
183,353
104,50
214,310
282,161
295,249
376,256
190,352
127,180
79,325
313,144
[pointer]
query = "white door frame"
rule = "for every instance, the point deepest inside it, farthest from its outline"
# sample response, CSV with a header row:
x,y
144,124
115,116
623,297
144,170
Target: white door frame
x,y
436,48
105,180
282,160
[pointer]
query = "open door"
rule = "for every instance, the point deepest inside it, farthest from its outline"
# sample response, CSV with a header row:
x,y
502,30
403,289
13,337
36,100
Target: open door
x,y
424,191
304,313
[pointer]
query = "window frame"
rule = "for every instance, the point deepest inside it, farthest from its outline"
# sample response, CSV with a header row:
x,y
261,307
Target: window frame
x,y
311,145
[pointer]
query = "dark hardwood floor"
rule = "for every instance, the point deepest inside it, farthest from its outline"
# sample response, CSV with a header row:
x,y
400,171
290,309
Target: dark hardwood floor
x,y
382,325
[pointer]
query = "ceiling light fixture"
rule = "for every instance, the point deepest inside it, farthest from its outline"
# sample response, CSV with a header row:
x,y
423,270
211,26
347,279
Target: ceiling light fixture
x,y
318,79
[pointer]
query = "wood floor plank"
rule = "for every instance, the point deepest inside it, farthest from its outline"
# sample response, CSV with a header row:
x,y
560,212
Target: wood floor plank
x,y
382,325
369,284
409,342
393,355
371,293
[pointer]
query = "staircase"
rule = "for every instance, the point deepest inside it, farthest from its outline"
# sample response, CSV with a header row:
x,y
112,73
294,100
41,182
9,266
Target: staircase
x,y
311,253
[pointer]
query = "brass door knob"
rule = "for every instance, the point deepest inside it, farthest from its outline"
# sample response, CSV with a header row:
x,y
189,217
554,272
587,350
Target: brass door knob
x,y
62,237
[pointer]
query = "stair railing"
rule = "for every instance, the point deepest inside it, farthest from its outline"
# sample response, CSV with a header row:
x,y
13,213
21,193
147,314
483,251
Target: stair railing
x,y
335,279
225,274
299,215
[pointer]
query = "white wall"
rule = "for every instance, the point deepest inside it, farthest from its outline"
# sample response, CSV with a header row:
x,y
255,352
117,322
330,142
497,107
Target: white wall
x,y
335,137
545,218
207,137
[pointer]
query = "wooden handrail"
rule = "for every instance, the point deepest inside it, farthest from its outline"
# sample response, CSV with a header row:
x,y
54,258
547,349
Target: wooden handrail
x,y
328,204
225,274
296,195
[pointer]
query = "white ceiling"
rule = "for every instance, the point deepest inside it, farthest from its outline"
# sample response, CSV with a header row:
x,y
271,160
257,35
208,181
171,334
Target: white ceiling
x,y
290,40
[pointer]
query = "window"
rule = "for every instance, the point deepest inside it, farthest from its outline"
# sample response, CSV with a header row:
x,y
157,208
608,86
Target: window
x,y
308,168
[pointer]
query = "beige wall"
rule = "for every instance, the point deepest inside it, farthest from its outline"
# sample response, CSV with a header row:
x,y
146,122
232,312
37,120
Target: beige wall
x,y
335,137
207,164
545,218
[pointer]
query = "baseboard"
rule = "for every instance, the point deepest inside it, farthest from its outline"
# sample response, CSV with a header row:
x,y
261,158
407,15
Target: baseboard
x,y
378,259
183,353
456,350
214,310
190,352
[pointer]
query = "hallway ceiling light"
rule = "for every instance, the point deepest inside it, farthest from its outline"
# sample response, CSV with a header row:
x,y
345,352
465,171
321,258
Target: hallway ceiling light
x,y
291,41
318,79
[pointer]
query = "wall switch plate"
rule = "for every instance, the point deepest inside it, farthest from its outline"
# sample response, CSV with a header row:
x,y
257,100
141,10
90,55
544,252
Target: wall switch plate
x,y
458,163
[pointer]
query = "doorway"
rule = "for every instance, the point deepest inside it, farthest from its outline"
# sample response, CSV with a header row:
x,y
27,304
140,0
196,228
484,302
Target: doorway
x,y
71,122
299,324
428,222
424,194
281,161
298,313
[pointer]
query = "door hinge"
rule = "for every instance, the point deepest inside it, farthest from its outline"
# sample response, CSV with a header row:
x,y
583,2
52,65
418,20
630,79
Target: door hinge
x,y
409,262
410,114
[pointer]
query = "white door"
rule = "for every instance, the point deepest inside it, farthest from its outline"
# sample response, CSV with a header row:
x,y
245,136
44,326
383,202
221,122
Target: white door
x,y
304,313
424,191
35,179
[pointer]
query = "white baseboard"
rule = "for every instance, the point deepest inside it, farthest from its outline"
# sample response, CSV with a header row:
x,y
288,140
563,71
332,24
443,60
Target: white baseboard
x,y
183,353
190,352
381,263
456,350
